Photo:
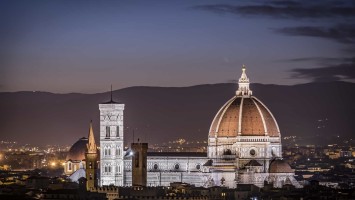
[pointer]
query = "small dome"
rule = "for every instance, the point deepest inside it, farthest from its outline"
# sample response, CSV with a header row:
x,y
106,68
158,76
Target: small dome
x,y
280,166
78,150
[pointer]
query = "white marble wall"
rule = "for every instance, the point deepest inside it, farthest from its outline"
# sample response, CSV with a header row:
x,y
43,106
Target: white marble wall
x,y
111,144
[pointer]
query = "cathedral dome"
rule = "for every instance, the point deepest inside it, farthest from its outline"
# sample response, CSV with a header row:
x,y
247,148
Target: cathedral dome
x,y
280,166
244,115
78,150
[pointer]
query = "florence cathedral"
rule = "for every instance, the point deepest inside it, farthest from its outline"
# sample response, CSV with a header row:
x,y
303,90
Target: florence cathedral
x,y
244,147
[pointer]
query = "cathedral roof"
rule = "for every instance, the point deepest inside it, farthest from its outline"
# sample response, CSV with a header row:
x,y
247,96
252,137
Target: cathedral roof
x,y
178,154
280,166
77,175
253,163
244,115
78,150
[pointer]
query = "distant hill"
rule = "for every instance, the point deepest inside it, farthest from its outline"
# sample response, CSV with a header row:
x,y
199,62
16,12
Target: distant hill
x,y
318,111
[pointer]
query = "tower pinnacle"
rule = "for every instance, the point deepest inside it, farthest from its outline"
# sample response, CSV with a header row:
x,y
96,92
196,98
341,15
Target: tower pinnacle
x,y
91,145
243,83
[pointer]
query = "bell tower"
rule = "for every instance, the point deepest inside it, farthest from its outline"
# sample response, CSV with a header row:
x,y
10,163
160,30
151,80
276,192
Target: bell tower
x,y
91,160
111,143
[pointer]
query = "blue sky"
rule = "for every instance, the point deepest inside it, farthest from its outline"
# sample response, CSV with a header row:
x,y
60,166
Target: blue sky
x,y
84,46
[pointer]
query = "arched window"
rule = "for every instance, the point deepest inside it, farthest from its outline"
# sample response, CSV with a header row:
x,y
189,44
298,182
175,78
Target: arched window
x,y
155,166
107,131
227,152
69,166
118,151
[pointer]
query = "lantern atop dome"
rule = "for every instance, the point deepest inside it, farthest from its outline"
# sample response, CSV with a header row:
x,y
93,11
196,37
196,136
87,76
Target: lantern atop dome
x,y
243,83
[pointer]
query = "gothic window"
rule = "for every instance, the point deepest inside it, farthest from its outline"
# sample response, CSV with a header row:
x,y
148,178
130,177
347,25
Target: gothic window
x,y
107,131
107,168
118,151
69,166
227,152
155,166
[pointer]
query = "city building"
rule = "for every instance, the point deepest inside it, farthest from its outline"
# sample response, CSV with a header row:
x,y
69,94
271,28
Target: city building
x,y
244,147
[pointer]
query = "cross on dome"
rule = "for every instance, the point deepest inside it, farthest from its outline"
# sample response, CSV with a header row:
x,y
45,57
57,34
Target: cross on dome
x,y
243,83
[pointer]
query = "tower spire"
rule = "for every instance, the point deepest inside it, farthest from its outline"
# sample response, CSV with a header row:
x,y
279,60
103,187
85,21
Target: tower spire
x,y
243,85
91,145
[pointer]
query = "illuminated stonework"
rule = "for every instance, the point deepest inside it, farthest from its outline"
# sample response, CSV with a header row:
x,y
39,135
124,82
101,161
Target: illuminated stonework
x,y
244,147
244,138
111,144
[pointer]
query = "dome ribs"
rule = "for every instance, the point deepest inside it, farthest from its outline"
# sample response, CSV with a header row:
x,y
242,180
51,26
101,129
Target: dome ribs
x,y
228,125
262,118
244,116
252,124
214,129
270,122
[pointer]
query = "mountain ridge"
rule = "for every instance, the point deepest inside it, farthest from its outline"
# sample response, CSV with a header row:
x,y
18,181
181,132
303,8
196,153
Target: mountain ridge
x,y
159,114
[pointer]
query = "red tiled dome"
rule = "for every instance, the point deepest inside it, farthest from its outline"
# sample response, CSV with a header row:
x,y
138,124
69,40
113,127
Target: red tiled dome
x,y
244,116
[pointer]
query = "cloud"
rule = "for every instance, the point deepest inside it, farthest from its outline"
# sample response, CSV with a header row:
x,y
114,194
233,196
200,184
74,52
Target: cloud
x,y
343,33
339,10
286,3
285,9
336,72
319,60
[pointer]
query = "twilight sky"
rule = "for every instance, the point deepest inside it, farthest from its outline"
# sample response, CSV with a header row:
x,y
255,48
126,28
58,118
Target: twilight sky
x,y
84,46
